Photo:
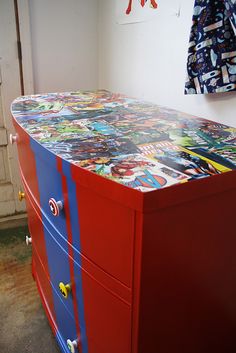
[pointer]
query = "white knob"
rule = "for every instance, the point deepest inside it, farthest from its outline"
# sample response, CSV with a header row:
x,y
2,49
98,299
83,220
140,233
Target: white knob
x,y
55,206
72,345
28,240
13,138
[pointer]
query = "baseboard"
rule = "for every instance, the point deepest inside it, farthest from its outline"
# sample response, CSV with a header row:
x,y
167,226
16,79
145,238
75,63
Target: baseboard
x,y
13,221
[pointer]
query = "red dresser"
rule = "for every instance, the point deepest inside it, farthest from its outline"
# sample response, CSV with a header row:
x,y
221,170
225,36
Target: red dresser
x,y
131,216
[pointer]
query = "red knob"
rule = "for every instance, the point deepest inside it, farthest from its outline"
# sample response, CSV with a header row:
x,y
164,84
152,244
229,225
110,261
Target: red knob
x,y
55,206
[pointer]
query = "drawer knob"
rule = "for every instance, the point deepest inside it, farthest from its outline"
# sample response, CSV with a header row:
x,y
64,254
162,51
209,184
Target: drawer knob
x,y
13,138
28,240
72,345
55,206
65,289
21,195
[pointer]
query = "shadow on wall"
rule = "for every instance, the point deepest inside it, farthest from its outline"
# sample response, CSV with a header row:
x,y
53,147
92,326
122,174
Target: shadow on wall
x,y
222,97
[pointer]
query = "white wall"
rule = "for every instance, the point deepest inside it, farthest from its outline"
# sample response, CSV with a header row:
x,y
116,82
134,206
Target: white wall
x,y
64,44
148,60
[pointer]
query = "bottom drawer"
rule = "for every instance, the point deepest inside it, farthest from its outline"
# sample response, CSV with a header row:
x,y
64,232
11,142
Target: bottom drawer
x,y
45,288
66,325
61,320
102,314
107,317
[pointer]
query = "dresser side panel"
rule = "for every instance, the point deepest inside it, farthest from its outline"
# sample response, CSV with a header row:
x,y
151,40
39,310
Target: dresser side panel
x,y
188,279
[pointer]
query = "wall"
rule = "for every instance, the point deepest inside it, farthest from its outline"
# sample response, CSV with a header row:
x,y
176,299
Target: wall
x,y
148,60
64,44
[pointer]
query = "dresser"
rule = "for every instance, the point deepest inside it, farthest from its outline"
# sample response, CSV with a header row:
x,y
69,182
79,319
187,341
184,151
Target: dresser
x,y
131,218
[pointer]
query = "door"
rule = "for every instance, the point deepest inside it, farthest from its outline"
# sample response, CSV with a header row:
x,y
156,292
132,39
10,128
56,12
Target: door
x,y
10,88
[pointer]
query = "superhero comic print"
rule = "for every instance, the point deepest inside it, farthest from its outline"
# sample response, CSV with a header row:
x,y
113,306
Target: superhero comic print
x,y
211,64
138,144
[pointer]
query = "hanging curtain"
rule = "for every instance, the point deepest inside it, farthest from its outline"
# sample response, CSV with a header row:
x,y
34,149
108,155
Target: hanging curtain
x,y
211,65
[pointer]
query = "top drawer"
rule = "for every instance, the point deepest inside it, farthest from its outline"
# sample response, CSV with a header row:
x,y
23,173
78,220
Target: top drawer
x,y
40,176
27,161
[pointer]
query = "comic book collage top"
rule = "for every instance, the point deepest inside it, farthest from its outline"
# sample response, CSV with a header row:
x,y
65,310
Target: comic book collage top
x,y
138,144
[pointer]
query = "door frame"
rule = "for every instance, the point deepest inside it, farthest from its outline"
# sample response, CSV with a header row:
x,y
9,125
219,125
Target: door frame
x,y
25,38
22,25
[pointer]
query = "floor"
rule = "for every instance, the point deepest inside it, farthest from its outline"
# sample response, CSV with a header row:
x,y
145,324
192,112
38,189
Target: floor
x,y
24,327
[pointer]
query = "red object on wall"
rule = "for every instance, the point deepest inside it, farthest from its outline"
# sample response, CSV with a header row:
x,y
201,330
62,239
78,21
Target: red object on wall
x,y
129,8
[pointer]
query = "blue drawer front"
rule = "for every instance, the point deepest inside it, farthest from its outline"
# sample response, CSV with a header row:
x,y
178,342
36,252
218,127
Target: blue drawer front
x,y
74,220
50,186
49,183
56,239
66,325
59,269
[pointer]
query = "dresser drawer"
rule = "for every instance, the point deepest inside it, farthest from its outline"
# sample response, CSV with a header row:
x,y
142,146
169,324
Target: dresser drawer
x,y
102,230
44,287
40,255
59,269
62,321
27,162
66,326
48,241
50,189
53,258
36,229
101,304
41,178
60,312
107,317
103,311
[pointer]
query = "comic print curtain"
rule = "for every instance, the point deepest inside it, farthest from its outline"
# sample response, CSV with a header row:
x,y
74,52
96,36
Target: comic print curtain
x,y
211,65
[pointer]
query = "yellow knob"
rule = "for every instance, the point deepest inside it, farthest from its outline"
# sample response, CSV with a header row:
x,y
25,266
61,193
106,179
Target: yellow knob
x,y
21,195
65,289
